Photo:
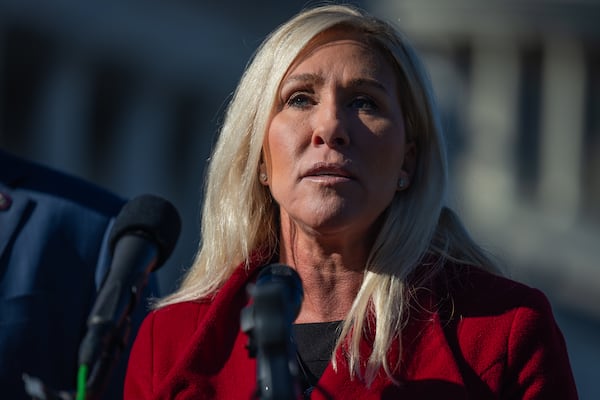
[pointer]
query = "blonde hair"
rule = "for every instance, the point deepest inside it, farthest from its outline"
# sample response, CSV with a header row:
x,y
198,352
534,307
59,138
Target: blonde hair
x,y
239,216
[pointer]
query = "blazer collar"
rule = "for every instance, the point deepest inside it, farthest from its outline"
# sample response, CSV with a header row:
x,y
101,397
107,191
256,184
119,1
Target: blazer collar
x,y
12,216
12,169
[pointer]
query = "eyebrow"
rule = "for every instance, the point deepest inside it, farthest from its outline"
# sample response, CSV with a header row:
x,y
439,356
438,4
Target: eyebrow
x,y
307,77
359,82
319,80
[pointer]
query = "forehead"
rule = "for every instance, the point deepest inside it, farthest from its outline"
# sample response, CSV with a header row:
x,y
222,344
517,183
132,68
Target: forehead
x,y
367,50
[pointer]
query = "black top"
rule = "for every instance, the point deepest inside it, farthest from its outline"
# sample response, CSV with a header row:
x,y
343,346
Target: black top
x,y
314,345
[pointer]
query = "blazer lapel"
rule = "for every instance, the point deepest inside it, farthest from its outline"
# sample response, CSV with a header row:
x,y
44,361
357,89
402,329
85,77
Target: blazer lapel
x,y
12,216
427,370
15,204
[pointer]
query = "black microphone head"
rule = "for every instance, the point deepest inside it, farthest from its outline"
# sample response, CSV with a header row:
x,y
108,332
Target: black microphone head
x,y
152,217
287,276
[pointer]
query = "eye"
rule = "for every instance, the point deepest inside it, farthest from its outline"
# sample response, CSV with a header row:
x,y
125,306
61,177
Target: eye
x,y
300,100
364,103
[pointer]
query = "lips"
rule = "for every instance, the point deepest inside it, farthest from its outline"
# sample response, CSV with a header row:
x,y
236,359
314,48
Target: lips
x,y
328,170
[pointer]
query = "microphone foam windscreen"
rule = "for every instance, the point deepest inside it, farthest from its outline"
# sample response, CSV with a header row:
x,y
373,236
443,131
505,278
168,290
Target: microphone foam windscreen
x,y
152,217
286,276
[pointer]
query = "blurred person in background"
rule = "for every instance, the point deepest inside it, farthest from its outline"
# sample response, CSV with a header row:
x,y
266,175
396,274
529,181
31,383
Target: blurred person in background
x,y
54,256
331,160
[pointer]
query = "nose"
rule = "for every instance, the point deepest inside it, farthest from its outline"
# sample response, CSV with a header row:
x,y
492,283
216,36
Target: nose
x,y
329,126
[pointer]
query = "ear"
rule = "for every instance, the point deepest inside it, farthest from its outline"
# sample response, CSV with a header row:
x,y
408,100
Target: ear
x,y
408,167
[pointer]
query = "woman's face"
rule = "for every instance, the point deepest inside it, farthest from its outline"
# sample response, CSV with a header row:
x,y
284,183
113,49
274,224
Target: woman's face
x,y
336,146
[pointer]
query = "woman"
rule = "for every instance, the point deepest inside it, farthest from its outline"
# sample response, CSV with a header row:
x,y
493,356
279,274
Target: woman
x,y
331,160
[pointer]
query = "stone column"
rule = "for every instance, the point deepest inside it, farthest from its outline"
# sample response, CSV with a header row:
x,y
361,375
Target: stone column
x,y
139,158
562,123
488,171
59,125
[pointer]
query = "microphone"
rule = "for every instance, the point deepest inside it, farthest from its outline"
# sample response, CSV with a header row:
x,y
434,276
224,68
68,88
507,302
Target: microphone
x,y
287,279
277,296
143,236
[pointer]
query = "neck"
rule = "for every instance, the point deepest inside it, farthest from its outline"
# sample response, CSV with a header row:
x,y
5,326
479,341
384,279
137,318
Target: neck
x,y
331,276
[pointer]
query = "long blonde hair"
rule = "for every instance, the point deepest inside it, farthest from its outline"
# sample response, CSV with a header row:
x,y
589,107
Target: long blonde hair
x,y
239,215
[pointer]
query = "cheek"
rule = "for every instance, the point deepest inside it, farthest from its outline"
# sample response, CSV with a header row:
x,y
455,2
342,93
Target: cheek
x,y
284,141
386,152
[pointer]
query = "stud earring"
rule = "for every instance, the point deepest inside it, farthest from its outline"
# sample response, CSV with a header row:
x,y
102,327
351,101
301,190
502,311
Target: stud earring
x,y
263,177
401,183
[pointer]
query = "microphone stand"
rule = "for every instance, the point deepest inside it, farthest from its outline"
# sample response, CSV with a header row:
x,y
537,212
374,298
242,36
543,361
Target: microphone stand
x,y
268,324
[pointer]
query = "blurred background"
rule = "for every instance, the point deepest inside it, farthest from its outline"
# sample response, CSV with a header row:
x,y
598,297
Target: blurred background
x,y
129,94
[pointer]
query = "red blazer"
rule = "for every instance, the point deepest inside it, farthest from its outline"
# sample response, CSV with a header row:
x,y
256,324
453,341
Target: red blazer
x,y
496,339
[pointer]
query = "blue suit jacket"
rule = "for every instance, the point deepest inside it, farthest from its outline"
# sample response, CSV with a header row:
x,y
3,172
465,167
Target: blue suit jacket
x,y
53,258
